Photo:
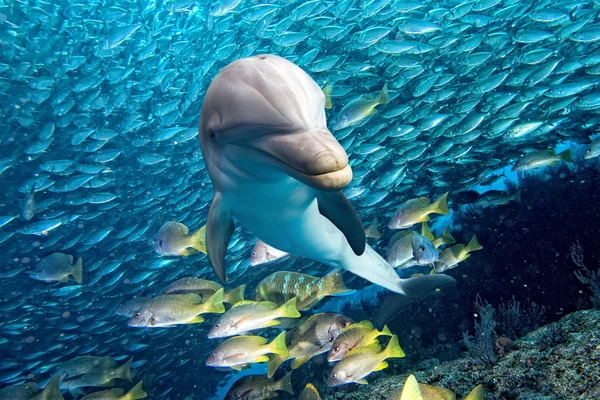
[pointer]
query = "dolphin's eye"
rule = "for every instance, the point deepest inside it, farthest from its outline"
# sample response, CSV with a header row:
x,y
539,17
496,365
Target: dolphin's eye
x,y
212,134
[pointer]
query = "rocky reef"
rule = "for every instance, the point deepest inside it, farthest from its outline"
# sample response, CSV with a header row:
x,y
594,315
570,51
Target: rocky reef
x,y
556,361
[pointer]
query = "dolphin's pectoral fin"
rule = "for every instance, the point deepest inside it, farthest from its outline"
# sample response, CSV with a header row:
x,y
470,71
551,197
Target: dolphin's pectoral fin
x,y
219,228
337,208
415,288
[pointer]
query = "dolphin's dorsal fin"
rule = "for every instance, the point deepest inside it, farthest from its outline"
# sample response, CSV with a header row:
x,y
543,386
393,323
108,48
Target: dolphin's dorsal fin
x,y
337,208
219,228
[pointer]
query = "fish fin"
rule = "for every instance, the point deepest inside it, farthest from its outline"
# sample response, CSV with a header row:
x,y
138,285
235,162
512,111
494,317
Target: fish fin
x,y
194,297
184,252
440,392
337,208
440,206
310,389
51,391
196,320
64,278
476,394
198,240
274,322
275,360
473,245
285,383
124,371
362,381
244,302
386,331
76,392
366,323
566,155
426,232
289,310
214,304
261,359
381,366
240,367
516,197
411,390
219,228
297,362
374,346
393,349
235,295
382,97
334,284
447,237
277,346
136,392
414,289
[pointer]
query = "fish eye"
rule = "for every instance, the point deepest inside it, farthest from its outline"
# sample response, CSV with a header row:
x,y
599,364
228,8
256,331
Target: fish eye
x,y
217,325
336,349
422,248
253,254
137,315
160,242
333,375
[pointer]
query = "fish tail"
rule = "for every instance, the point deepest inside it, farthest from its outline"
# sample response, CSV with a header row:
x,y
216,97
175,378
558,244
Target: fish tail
x,y
473,245
124,371
214,304
476,394
289,310
327,92
566,155
440,206
198,240
235,295
310,388
277,346
333,284
426,232
386,331
447,237
78,270
135,393
411,389
382,97
285,383
275,360
516,197
393,349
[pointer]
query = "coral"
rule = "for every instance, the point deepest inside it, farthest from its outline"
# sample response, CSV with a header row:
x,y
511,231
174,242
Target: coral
x,y
586,275
482,346
515,320
553,335
567,370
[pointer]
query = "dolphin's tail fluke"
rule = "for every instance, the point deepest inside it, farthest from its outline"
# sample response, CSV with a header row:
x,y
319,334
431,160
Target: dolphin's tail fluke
x,y
414,289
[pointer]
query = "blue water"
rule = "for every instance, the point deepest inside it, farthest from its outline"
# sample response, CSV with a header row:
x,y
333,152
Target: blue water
x,y
100,106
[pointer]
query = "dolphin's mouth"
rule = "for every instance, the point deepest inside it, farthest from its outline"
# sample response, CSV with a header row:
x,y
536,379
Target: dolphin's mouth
x,y
313,157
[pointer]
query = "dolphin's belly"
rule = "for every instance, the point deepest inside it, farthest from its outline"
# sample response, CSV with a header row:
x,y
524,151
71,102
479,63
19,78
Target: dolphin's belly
x,y
287,217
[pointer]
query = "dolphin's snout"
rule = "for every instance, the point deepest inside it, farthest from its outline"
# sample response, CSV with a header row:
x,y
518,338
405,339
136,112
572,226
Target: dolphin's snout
x,y
328,161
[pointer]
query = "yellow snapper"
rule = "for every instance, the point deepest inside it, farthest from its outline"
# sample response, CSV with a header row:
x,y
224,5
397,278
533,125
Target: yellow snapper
x,y
541,158
250,315
412,390
176,309
361,361
360,108
135,393
99,372
354,336
50,392
205,289
309,393
240,351
327,90
417,210
308,290
411,249
451,256
259,387
58,267
172,239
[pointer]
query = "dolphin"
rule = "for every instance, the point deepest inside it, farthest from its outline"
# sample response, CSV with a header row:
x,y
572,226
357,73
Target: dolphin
x,y
279,171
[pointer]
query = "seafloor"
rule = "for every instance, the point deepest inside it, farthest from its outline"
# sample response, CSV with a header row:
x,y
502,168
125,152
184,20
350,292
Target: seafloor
x,y
529,370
